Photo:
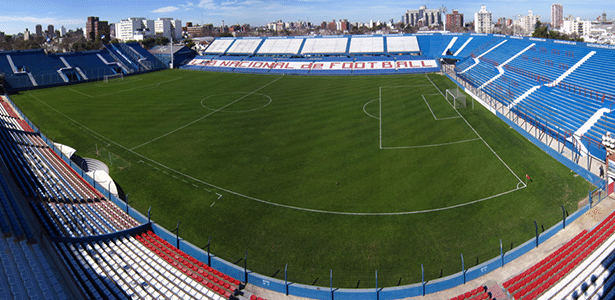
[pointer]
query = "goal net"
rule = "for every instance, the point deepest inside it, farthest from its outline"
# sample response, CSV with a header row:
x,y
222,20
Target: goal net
x,y
119,76
456,98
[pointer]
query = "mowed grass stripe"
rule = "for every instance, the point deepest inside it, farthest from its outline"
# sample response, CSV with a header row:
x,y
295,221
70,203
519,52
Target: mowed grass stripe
x,y
405,118
313,135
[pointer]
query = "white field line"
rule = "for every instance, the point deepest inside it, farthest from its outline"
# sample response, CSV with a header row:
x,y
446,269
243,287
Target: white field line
x,y
127,80
78,92
205,116
434,115
127,90
496,155
432,145
380,113
365,111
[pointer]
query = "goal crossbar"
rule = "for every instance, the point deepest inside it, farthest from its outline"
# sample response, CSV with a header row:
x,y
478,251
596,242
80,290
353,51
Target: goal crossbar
x,y
119,76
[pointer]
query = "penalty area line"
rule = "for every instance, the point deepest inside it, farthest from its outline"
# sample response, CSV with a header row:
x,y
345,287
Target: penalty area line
x,y
433,145
475,132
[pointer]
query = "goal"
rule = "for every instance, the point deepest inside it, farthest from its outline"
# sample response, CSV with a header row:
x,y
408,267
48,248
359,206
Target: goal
x,y
119,76
456,98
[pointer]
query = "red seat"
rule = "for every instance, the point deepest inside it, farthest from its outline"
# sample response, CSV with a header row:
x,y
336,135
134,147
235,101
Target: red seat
x,y
252,297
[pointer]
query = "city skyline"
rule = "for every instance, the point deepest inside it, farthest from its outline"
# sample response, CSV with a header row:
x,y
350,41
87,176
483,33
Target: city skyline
x,y
19,15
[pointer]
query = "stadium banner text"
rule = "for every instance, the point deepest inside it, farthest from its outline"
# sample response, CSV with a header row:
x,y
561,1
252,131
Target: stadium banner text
x,y
328,65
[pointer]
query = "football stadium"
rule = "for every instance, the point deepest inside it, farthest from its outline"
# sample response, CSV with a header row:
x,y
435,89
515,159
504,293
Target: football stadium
x,y
434,165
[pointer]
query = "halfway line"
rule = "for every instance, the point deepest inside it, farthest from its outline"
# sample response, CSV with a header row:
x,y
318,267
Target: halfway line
x,y
205,116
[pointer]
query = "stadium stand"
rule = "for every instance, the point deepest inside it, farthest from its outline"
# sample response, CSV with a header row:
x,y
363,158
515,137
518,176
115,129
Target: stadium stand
x,y
27,69
244,46
542,276
219,46
108,253
548,83
402,44
370,45
320,46
479,293
280,46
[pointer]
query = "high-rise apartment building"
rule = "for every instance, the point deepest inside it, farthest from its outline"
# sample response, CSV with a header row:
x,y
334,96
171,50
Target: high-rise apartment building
x,y
527,23
50,31
557,15
125,29
95,28
454,21
39,30
483,22
422,17
168,27
90,26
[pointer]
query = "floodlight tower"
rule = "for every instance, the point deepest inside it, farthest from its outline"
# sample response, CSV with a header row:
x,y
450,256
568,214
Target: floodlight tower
x,y
443,12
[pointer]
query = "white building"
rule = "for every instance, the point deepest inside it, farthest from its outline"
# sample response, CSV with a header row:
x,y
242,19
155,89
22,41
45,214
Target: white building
x,y
125,29
26,35
62,31
483,22
140,28
577,26
557,15
168,27
177,29
527,23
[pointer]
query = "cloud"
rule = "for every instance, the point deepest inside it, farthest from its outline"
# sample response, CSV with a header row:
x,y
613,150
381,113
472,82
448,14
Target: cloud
x,y
187,6
37,20
251,2
166,9
27,19
207,4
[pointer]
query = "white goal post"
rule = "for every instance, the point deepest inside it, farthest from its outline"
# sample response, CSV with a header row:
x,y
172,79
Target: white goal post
x,y
456,98
119,76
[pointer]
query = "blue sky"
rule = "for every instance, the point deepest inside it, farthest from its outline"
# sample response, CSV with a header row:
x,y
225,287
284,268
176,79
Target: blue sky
x,y
16,15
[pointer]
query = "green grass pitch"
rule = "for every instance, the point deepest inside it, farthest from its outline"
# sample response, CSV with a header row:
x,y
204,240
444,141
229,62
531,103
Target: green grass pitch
x,y
350,174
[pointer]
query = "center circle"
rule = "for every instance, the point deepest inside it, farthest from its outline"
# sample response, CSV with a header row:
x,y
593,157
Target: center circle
x,y
246,101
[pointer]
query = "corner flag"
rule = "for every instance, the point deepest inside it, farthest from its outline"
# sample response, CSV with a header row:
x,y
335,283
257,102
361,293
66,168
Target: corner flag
x,y
528,178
